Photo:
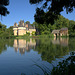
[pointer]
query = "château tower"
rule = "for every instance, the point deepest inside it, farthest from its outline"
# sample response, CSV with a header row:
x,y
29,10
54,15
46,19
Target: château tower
x,y
15,29
23,28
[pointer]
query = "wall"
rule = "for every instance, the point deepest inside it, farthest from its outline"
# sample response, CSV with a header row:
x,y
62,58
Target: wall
x,y
21,31
15,31
63,32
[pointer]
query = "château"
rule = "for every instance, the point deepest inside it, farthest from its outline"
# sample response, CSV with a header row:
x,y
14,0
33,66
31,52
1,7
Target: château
x,y
23,28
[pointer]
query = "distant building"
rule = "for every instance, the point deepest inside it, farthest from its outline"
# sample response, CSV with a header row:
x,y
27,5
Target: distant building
x,y
23,28
56,32
61,32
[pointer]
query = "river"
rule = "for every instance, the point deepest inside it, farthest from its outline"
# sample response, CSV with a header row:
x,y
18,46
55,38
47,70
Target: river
x,y
32,56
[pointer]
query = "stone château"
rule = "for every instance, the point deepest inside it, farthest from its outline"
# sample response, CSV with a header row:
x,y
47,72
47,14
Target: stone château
x,y
23,28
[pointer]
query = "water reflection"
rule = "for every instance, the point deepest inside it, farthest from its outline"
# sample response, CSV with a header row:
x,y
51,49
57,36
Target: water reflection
x,y
61,41
49,49
52,49
4,43
23,45
41,51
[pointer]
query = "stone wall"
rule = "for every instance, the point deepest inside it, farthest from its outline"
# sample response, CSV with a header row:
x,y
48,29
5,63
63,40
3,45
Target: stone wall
x,y
61,33
64,33
15,31
22,31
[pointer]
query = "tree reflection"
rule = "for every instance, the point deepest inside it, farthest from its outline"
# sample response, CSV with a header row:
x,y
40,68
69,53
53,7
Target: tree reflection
x,y
48,48
51,49
4,43
66,67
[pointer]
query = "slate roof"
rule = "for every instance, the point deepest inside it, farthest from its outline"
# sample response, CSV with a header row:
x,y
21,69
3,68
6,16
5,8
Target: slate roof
x,y
55,31
21,23
15,26
30,26
64,29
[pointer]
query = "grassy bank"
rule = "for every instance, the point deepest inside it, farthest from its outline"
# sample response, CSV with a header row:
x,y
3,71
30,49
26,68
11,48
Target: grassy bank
x,y
34,36
38,36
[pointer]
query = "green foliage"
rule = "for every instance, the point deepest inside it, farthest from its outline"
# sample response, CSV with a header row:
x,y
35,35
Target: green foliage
x,y
72,28
3,9
4,43
6,32
43,36
27,33
33,32
66,67
61,22
42,17
50,51
27,22
53,7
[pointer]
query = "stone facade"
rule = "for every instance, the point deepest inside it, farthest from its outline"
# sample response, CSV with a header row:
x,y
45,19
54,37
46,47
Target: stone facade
x,y
22,28
61,32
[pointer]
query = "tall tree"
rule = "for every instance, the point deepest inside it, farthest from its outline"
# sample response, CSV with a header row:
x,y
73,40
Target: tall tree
x,y
27,22
3,9
53,7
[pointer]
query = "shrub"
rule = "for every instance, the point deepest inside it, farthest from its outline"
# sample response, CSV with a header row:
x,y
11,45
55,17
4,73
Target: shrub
x,y
33,32
28,33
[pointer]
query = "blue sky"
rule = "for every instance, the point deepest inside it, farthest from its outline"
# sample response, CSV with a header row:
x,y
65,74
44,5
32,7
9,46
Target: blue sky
x,y
23,10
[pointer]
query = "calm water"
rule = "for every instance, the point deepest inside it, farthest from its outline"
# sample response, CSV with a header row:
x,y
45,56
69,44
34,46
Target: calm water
x,y
20,56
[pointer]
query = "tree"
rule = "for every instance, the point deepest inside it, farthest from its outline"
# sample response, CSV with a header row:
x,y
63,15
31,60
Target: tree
x,y
53,7
72,28
10,30
27,22
3,9
6,32
61,22
66,67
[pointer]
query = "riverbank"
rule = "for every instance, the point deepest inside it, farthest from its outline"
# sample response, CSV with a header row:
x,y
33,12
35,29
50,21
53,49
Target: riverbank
x,y
34,36
38,36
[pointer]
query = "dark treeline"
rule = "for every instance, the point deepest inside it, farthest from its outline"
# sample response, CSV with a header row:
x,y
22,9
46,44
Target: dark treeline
x,y
5,32
49,10
3,9
61,22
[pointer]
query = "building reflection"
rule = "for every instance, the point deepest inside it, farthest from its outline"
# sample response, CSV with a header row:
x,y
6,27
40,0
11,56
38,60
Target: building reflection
x,y
61,41
15,45
23,45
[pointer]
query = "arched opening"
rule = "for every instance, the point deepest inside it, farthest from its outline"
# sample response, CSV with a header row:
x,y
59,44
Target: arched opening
x,y
17,32
56,34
